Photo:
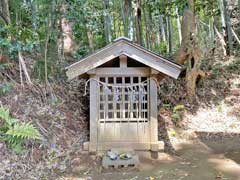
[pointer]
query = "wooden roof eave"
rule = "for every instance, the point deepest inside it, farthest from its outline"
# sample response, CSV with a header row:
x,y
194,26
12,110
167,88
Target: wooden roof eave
x,y
123,47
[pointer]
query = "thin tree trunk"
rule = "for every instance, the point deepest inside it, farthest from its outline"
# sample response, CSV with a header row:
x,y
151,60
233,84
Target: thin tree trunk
x,y
114,28
229,26
61,42
127,18
20,72
150,24
48,31
24,68
35,22
221,7
130,19
138,14
226,26
211,32
222,41
90,40
107,22
124,12
46,58
170,34
235,35
179,26
147,32
162,29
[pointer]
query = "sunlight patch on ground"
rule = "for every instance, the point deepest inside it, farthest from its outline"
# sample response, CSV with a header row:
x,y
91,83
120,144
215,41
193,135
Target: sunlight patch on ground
x,y
226,165
211,119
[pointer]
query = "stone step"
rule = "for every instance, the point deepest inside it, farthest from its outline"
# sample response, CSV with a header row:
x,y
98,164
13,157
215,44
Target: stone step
x,y
120,163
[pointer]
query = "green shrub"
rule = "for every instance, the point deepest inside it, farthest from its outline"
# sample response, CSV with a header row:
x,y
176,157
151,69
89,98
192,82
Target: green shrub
x,y
15,133
177,113
216,69
172,133
5,88
178,108
176,118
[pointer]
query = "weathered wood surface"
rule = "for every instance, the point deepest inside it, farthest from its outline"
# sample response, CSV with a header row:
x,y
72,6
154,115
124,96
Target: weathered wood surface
x,y
127,48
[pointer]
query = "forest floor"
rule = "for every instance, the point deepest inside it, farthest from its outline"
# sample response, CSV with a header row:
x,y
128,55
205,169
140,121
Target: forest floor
x,y
197,160
205,133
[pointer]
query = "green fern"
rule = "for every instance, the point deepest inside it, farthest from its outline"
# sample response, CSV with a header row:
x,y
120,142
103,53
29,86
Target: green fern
x,y
15,133
24,131
5,115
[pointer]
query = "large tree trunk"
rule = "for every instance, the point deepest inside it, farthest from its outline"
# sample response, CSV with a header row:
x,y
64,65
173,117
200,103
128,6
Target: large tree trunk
x,y
107,22
4,13
189,51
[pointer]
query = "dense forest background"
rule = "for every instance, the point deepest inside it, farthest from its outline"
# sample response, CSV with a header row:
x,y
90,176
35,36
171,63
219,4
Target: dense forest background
x,y
59,32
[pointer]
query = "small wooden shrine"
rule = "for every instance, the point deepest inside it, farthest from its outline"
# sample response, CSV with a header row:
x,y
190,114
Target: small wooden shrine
x,y
123,95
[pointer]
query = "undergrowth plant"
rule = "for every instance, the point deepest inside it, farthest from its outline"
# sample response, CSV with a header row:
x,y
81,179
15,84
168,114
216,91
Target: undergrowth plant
x,y
5,88
14,132
177,113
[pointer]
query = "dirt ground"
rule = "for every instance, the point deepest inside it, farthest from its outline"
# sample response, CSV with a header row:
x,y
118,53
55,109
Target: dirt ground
x,y
198,160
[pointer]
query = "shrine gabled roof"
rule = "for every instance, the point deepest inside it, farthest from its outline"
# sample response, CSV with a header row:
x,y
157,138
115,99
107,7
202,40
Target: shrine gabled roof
x,y
124,46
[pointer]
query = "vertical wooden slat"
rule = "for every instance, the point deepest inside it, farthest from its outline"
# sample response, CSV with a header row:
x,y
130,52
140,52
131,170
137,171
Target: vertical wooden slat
x,y
131,101
123,99
114,102
93,115
114,107
153,115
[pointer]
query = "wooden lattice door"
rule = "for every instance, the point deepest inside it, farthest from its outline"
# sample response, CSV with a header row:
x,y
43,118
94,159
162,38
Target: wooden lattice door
x,y
123,109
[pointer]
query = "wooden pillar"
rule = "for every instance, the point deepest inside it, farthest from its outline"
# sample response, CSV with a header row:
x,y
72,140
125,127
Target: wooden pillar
x,y
153,116
93,115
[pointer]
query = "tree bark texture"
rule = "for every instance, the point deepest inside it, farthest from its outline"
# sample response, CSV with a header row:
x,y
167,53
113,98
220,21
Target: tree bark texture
x,y
4,13
162,29
189,51
107,22
138,15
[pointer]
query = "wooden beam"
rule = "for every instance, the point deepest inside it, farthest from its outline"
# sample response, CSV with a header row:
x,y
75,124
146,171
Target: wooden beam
x,y
123,71
123,61
151,61
125,48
